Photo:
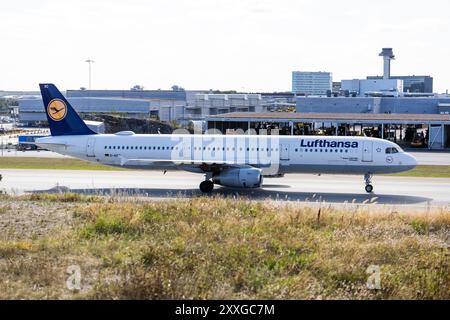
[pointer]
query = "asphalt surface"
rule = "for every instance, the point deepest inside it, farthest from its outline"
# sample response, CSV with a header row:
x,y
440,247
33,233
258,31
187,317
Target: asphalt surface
x,y
401,191
431,158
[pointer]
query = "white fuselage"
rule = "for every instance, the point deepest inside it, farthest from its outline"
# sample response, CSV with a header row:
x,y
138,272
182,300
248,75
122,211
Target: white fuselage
x,y
273,154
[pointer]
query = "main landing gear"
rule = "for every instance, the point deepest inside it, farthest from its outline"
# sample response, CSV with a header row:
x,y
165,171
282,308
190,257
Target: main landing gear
x,y
368,180
207,186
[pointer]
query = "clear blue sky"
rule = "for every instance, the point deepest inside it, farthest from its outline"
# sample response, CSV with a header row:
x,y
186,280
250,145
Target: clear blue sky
x,y
217,44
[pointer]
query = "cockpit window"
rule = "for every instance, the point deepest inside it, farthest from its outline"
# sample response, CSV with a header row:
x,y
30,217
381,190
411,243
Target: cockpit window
x,y
391,150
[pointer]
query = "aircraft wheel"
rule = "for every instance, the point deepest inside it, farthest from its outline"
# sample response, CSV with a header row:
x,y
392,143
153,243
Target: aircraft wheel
x,y
206,186
369,188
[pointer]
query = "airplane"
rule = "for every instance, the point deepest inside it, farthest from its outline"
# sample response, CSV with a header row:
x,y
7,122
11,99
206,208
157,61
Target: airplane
x,y
235,161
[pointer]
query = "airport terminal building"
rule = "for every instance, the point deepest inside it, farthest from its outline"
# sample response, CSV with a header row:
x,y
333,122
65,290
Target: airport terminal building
x,y
410,121
430,131
180,106
165,105
32,110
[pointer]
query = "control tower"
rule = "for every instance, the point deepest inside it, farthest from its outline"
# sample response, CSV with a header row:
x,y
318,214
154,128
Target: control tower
x,y
387,55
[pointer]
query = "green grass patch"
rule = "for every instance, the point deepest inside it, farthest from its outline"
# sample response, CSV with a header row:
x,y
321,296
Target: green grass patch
x,y
106,225
427,172
61,197
52,163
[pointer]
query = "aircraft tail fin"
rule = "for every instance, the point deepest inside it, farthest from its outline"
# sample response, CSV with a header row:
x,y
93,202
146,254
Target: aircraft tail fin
x,y
62,117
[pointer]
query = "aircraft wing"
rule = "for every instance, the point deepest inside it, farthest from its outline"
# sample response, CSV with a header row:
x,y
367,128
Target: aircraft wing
x,y
125,161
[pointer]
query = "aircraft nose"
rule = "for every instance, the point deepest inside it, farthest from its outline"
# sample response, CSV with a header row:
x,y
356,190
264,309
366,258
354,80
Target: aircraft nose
x,y
411,161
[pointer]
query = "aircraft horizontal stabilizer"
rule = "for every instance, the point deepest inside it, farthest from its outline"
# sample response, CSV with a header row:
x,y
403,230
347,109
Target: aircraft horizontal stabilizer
x,y
49,144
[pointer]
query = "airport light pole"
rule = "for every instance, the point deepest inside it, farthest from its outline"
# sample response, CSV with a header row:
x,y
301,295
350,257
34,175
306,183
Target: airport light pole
x,y
90,62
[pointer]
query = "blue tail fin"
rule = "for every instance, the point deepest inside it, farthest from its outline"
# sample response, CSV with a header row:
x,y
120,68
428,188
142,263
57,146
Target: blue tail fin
x,y
62,118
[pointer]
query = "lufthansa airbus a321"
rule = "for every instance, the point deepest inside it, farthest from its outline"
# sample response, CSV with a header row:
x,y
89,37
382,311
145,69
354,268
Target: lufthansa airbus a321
x,y
236,161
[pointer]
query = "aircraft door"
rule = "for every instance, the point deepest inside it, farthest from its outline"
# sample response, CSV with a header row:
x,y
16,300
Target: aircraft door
x,y
187,150
90,151
285,153
367,155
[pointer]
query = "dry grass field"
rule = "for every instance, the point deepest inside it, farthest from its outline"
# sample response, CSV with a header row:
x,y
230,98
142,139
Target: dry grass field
x,y
216,248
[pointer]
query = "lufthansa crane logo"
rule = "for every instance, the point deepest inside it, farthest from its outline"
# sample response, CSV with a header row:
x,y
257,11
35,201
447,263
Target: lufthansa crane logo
x,y
57,110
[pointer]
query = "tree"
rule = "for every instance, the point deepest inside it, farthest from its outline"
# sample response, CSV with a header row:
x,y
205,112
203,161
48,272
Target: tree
x,y
6,103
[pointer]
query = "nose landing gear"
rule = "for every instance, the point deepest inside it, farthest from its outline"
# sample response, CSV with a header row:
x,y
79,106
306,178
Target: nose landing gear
x,y
368,180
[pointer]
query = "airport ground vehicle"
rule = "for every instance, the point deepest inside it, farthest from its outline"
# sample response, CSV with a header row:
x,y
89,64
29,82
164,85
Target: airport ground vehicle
x,y
26,143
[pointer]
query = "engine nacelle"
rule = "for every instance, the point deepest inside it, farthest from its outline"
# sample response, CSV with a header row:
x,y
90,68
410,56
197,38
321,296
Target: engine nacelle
x,y
247,178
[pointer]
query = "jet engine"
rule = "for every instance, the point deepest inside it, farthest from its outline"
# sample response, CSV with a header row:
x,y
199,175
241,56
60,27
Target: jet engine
x,y
247,178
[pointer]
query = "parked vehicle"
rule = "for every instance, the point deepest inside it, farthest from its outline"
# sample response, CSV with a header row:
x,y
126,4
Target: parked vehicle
x,y
418,141
26,143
